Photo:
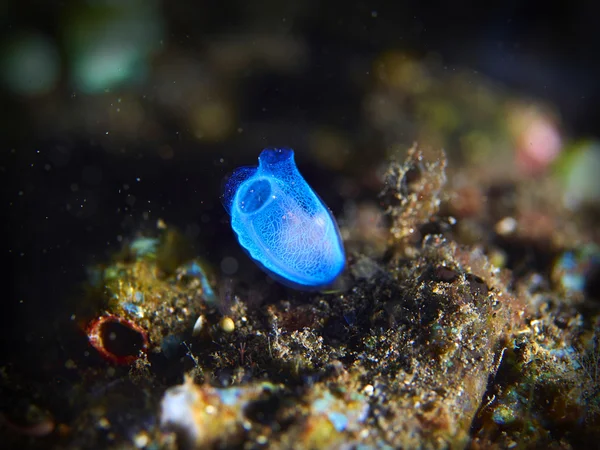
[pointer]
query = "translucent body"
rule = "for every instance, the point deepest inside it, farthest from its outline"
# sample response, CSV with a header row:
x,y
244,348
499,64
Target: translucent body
x,y
282,223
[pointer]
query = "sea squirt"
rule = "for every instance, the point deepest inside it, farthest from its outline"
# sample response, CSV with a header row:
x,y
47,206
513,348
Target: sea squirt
x,y
282,223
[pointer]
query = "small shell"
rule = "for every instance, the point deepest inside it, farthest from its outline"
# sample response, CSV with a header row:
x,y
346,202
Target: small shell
x,y
199,325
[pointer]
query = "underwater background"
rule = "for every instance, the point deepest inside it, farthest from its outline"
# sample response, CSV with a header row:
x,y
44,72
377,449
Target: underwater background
x,y
456,145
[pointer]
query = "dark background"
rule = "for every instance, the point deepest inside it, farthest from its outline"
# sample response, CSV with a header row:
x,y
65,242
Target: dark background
x,y
535,48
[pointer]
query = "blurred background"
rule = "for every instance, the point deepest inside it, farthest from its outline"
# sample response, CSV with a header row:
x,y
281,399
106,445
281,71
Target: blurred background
x,y
118,113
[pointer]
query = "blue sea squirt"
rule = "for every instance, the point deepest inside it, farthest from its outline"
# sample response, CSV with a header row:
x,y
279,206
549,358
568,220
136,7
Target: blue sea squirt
x,y
282,223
